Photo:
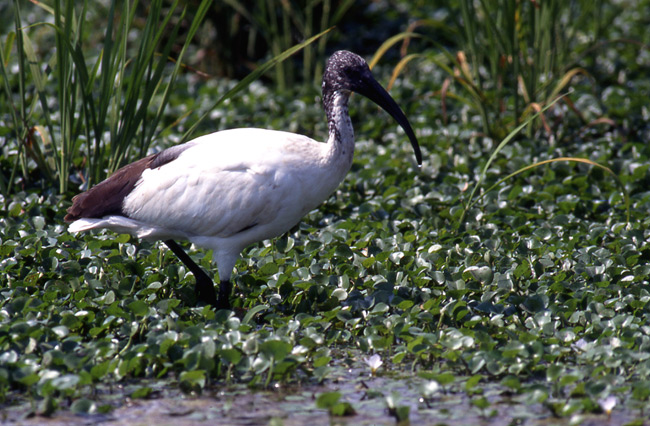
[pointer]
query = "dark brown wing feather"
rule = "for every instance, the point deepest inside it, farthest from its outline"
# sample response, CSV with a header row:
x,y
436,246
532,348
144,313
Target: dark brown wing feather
x,y
106,198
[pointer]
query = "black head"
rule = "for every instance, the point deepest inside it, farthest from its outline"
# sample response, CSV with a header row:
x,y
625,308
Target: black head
x,y
346,71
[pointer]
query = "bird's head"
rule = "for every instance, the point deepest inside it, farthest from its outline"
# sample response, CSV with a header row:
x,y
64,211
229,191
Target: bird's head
x,y
347,71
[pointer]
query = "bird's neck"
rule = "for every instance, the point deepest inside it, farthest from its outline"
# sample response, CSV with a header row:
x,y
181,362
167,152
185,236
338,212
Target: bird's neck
x,y
340,144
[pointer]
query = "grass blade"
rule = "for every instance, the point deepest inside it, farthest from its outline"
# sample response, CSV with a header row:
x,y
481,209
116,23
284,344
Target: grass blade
x,y
388,44
499,147
198,19
400,66
570,159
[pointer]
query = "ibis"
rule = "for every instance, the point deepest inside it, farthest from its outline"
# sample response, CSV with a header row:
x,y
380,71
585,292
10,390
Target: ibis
x,y
232,188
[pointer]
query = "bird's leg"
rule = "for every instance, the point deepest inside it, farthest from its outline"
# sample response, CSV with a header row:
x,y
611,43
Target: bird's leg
x,y
223,302
204,287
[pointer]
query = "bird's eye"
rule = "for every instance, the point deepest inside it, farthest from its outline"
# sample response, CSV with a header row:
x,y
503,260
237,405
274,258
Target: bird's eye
x,y
351,72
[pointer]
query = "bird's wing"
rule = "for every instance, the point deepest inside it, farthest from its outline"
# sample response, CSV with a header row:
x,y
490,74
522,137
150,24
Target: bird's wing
x,y
225,184
106,198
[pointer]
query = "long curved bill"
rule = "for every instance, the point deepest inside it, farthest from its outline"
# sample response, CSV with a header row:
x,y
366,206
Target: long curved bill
x,y
371,89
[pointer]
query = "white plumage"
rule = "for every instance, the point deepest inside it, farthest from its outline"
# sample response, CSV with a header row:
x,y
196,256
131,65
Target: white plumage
x,y
229,189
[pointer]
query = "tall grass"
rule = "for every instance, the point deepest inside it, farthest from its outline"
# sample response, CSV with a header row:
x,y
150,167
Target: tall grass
x,y
511,57
17,112
98,99
525,47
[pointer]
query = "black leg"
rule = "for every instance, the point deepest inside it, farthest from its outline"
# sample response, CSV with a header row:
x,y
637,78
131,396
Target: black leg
x,y
225,287
204,286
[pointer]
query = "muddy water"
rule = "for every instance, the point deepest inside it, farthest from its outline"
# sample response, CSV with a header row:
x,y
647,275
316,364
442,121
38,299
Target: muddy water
x,y
296,406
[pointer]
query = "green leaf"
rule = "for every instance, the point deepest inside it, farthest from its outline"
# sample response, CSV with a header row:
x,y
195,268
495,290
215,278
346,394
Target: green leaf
x,y
277,349
252,312
98,371
194,378
401,413
641,390
231,356
553,372
444,378
481,403
141,393
47,406
473,381
327,399
269,269
342,409
322,361
139,308
83,406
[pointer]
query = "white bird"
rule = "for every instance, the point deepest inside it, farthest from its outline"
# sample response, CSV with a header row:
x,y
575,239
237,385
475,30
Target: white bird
x,y
229,189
